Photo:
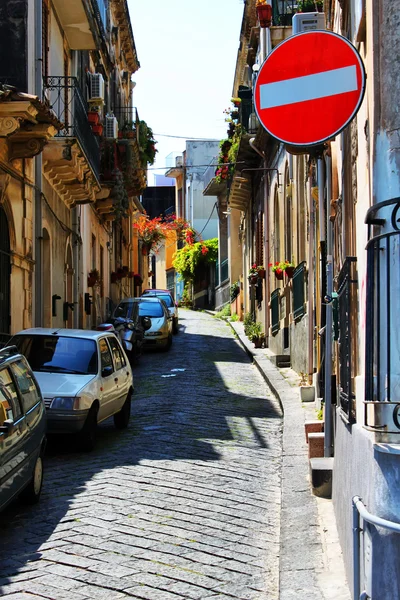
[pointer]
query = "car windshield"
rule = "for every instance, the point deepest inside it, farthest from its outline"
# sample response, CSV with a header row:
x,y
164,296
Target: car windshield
x,y
166,297
151,309
57,354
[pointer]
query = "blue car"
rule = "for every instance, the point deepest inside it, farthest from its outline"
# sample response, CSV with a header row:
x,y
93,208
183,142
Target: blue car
x,y
22,430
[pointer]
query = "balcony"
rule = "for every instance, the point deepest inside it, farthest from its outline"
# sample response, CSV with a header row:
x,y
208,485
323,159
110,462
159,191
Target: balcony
x,y
73,15
26,122
71,161
282,13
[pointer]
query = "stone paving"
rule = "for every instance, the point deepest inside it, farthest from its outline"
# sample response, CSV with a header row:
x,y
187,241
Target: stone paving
x,y
184,504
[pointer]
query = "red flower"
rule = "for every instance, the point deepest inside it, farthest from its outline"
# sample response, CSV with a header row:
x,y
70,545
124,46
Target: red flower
x,y
204,249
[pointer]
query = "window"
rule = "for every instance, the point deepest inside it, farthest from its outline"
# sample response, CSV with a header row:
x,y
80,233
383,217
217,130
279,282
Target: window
x,y
105,354
29,393
8,389
53,354
119,361
151,309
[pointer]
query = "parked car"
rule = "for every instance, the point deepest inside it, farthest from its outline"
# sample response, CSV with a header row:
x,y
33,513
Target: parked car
x,y
85,378
168,298
159,335
22,430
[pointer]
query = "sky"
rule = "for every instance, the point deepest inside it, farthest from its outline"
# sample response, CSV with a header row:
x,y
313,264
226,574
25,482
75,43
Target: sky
x,y
187,52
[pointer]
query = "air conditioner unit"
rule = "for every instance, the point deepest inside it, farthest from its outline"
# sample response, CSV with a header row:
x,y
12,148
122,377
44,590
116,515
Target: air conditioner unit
x,y
302,22
96,87
111,127
179,161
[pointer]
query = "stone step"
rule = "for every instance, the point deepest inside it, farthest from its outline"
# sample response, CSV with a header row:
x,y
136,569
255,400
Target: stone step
x,y
313,427
321,471
316,445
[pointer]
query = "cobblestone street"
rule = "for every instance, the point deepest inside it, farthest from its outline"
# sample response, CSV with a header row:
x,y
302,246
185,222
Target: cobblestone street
x,y
184,504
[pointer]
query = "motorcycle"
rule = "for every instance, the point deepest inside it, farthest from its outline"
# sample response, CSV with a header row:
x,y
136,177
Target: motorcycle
x,y
130,334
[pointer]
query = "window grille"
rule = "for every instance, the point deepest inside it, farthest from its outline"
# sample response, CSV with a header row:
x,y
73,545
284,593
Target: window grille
x,y
275,311
298,291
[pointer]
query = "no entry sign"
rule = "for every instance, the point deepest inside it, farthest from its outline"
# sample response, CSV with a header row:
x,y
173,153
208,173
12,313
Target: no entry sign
x,y
309,88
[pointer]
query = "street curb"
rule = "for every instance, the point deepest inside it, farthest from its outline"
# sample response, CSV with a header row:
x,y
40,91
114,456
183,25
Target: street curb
x,y
303,570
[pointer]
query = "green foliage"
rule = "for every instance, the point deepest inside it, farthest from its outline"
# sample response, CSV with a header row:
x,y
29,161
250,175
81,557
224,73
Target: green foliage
x,y
224,312
248,321
254,331
235,317
147,144
188,258
234,290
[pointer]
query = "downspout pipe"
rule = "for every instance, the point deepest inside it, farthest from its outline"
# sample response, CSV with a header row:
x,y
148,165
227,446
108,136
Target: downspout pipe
x,y
38,217
328,439
311,284
266,239
76,248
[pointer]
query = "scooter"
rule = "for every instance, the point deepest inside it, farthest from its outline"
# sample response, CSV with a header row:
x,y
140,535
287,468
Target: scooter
x,y
130,336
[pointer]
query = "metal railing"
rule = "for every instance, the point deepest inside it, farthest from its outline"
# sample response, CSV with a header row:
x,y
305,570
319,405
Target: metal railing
x,y
298,291
283,11
383,285
346,289
359,510
275,325
67,101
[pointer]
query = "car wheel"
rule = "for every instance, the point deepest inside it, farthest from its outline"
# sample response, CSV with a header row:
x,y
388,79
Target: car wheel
x,y
175,327
89,431
31,493
121,418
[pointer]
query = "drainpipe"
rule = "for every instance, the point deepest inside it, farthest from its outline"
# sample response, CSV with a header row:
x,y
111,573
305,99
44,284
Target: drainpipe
x,y
310,285
76,248
266,239
37,228
328,440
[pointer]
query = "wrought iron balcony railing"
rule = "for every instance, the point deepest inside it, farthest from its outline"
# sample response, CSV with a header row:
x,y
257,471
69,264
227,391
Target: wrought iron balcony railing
x,y
347,316
67,101
283,11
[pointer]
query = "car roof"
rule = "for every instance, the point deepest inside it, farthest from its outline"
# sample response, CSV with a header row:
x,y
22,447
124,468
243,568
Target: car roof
x,y
140,299
87,334
152,291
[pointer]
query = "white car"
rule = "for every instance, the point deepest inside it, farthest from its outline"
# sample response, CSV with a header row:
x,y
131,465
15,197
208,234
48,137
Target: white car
x,y
85,377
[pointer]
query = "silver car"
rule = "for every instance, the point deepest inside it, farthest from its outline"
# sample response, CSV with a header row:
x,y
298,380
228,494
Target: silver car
x,y
172,306
159,335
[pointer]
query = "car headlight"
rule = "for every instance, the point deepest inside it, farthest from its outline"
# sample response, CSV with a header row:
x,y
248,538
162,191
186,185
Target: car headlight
x,y
66,403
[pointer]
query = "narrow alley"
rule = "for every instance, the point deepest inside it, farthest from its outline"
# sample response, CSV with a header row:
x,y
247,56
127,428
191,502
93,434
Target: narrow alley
x,y
185,503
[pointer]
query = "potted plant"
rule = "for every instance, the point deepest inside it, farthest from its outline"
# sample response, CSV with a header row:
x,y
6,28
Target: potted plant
x,y
97,129
93,117
288,268
261,271
264,13
93,278
253,274
255,334
137,279
236,102
277,270
310,6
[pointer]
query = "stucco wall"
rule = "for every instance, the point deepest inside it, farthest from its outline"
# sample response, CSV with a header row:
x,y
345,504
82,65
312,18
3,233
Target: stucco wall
x,y
361,470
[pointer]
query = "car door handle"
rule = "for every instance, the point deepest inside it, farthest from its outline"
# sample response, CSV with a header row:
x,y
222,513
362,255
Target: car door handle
x,y
116,379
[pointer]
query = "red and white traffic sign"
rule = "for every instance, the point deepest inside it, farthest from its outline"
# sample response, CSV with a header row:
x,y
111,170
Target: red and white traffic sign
x,y
309,88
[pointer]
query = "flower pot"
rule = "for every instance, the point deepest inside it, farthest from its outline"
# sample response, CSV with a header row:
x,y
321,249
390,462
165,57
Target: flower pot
x,y
289,272
93,117
264,13
97,129
261,273
279,274
257,342
91,281
253,279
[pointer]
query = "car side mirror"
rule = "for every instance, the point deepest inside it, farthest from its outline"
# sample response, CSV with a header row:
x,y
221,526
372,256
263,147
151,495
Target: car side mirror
x,y
107,371
7,427
146,322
